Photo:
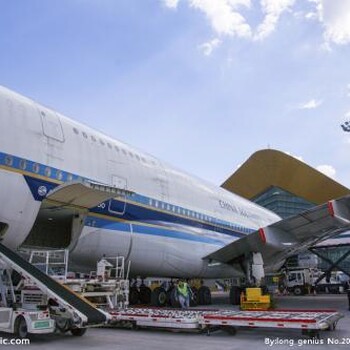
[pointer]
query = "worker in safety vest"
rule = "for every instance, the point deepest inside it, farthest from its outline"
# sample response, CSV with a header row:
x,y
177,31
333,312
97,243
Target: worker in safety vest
x,y
183,294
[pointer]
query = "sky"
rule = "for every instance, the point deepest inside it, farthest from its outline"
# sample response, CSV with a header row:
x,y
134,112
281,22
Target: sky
x,y
200,84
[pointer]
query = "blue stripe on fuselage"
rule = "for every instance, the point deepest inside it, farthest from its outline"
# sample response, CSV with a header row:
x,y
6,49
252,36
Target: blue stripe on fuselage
x,y
141,228
41,179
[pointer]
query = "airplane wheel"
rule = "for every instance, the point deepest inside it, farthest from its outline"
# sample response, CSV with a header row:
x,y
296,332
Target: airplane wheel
x,y
133,296
78,332
145,295
173,300
333,290
204,296
194,299
159,297
230,330
235,295
21,329
298,290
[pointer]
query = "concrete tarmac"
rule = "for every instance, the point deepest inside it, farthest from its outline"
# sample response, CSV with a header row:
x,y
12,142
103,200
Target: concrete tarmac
x,y
123,339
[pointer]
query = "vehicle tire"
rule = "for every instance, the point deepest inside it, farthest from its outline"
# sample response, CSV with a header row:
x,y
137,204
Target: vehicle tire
x,y
173,300
298,290
145,295
21,329
78,332
204,296
159,297
194,299
133,296
230,330
235,295
62,324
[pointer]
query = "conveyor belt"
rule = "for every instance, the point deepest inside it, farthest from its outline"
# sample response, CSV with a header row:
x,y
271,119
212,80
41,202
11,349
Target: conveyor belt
x,y
94,316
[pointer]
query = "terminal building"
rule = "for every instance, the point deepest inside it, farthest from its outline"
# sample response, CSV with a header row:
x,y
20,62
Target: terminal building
x,y
288,186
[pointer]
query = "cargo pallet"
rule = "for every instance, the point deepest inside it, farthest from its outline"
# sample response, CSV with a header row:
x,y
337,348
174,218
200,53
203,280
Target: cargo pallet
x,y
311,322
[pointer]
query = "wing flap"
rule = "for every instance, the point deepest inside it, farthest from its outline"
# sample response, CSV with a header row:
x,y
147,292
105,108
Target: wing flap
x,y
288,237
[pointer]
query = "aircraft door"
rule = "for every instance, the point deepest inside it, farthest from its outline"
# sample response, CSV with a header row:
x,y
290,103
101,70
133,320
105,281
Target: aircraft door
x,y
53,137
51,124
118,205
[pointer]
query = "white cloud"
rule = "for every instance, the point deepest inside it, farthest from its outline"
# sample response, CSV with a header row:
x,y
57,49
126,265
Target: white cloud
x,y
208,47
224,16
272,9
300,158
227,19
311,15
171,3
335,18
348,90
327,170
312,104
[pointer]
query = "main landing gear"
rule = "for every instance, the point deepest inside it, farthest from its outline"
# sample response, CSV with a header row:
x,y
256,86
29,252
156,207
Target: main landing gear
x,y
164,295
253,267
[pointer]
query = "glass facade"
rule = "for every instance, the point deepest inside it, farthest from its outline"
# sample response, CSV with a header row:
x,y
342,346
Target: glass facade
x,y
334,254
282,202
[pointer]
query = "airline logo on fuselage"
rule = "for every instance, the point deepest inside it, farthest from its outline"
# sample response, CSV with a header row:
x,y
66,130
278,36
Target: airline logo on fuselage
x,y
233,208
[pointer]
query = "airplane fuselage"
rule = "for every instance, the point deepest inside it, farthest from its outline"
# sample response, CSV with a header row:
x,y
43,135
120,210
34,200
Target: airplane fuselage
x,y
165,225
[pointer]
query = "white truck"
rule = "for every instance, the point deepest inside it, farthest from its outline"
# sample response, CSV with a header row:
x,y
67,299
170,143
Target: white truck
x,y
303,280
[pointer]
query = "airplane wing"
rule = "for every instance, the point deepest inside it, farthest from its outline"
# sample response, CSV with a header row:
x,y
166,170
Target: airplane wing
x,y
85,194
290,236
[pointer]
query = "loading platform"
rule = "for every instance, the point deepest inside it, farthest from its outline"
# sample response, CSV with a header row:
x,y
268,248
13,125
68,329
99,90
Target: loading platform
x,y
311,321
85,313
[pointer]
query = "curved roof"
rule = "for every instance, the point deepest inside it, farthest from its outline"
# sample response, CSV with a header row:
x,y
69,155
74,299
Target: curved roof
x,y
270,167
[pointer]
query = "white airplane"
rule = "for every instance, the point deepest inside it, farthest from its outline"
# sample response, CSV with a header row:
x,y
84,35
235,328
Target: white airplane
x,y
65,185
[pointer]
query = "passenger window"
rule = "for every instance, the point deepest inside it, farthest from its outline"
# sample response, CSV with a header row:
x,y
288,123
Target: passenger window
x,y
59,175
36,167
8,160
22,164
